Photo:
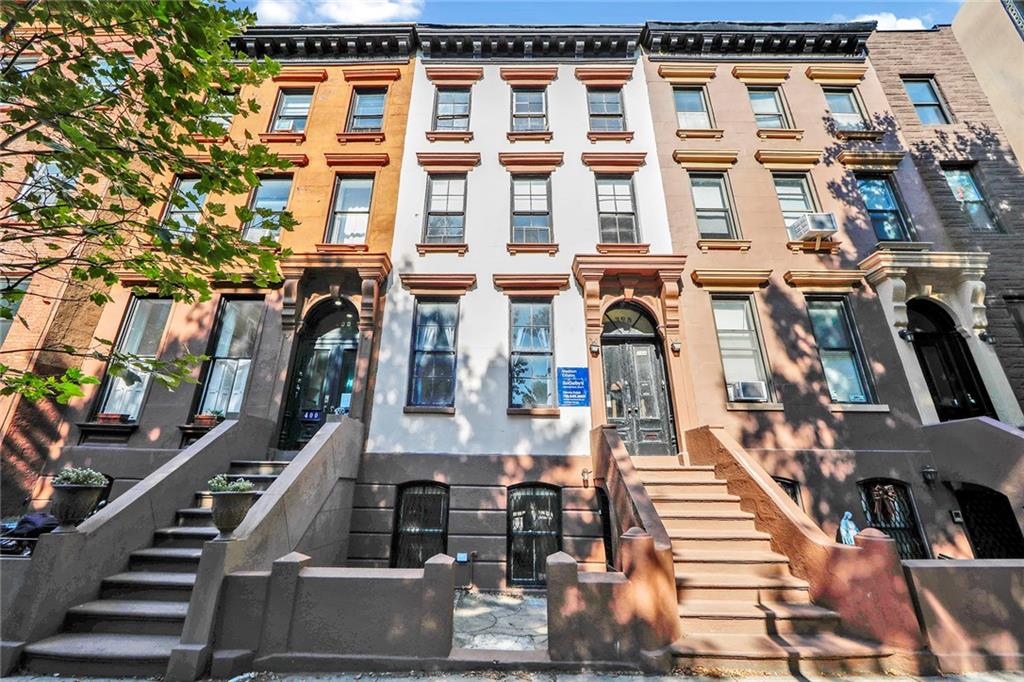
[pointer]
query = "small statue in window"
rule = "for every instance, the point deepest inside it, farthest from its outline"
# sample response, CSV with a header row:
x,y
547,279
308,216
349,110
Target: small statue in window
x,y
847,529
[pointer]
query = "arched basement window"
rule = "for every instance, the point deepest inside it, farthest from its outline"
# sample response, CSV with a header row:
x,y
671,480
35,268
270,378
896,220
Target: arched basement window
x,y
421,524
534,532
888,507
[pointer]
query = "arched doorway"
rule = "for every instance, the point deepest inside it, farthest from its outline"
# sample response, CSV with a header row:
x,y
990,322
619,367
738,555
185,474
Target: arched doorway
x,y
949,369
323,371
990,523
636,392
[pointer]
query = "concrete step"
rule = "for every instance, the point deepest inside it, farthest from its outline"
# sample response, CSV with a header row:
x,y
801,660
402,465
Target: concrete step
x,y
149,586
684,485
257,466
672,502
739,540
166,559
716,561
714,519
100,655
668,473
752,589
200,517
183,536
700,617
127,616
260,481
791,654
204,499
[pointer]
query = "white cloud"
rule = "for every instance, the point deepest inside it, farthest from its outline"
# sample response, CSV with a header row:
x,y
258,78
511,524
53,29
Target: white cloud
x,y
369,11
887,21
337,11
277,11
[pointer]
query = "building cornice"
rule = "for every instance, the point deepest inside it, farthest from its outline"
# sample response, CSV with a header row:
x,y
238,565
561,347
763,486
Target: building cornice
x,y
613,162
530,77
830,280
317,43
445,76
788,159
731,279
847,75
705,159
530,162
886,161
448,162
762,41
687,74
519,43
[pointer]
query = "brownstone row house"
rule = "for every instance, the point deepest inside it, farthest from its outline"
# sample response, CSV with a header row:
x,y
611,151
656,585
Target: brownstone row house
x,y
664,304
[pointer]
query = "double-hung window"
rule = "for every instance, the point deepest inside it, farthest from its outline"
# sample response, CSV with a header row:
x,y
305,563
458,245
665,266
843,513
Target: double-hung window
x,y
692,109
432,376
184,207
12,292
531,210
531,363
269,200
607,114
231,358
616,210
844,366
529,110
44,187
925,98
451,111
795,198
350,217
446,210
22,66
107,75
292,111
140,336
739,343
768,109
884,208
962,183
220,102
846,111
367,114
715,219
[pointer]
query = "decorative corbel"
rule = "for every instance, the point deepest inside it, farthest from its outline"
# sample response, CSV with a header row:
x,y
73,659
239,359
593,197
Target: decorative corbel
x,y
290,305
971,290
370,291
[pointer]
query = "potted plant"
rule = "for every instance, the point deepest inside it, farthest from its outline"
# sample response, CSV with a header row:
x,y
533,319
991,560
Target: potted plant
x,y
208,419
111,418
231,502
75,493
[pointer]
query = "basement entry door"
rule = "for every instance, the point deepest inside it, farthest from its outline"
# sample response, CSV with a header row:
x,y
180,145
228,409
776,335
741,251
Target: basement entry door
x,y
636,393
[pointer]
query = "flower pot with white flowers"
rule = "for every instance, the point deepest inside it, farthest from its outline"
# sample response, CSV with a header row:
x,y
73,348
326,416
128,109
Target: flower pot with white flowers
x,y
231,502
76,491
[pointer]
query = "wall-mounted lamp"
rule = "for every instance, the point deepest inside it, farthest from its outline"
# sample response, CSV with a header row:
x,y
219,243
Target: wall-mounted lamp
x,y
335,290
907,335
586,477
676,347
930,474
987,336
595,348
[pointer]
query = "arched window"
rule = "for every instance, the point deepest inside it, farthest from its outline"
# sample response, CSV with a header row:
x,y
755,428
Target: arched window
x,y
534,532
421,524
627,319
888,507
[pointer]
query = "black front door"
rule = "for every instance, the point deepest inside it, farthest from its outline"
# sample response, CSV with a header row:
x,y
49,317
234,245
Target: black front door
x,y
636,397
946,362
990,523
322,375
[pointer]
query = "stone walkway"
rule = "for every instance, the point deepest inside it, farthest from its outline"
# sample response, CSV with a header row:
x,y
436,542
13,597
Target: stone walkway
x,y
493,620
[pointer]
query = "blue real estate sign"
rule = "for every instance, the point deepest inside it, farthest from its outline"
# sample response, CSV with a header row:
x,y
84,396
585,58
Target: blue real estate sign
x,y
573,387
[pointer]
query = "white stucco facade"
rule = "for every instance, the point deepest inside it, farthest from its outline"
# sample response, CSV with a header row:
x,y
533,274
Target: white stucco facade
x,y
480,424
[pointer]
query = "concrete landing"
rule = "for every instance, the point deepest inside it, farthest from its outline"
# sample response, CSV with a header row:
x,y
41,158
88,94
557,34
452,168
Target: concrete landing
x,y
500,621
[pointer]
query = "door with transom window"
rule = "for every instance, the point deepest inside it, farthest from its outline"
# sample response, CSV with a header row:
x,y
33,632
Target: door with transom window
x,y
636,392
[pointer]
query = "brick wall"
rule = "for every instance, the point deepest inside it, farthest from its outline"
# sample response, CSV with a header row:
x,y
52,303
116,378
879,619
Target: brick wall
x,y
975,136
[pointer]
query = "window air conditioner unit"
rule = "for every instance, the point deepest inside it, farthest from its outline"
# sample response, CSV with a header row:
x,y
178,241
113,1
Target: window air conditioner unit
x,y
814,227
748,392
285,125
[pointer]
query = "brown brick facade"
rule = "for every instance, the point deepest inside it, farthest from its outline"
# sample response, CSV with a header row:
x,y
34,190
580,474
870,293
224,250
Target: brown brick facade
x,y
973,137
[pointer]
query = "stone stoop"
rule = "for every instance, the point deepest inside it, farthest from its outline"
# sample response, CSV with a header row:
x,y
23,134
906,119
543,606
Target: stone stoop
x,y
137,620
740,607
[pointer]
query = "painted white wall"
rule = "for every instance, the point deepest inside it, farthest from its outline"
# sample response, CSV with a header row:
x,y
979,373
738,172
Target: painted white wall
x,y
480,424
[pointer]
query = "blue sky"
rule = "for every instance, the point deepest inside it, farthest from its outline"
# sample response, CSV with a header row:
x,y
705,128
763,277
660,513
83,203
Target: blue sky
x,y
901,15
